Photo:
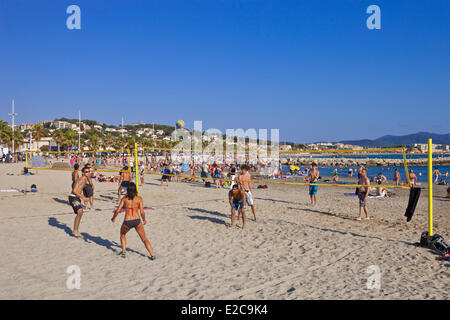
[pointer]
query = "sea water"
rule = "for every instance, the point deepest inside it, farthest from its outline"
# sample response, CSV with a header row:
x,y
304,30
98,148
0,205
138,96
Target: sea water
x,y
388,171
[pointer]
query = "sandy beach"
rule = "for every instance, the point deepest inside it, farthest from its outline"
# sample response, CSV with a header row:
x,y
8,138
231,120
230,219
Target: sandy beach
x,y
294,251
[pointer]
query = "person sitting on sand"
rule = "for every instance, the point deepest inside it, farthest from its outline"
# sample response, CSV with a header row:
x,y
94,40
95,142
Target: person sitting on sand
x,y
236,197
335,177
26,172
133,205
124,181
380,179
75,200
363,193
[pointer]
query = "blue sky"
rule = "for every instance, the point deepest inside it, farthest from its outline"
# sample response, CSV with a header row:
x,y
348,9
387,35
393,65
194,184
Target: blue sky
x,y
309,68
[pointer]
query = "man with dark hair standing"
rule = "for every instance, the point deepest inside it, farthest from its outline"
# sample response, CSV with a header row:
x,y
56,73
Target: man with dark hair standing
x,y
75,199
244,182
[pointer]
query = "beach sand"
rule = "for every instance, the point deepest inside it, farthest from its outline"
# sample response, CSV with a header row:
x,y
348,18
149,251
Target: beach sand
x,y
294,251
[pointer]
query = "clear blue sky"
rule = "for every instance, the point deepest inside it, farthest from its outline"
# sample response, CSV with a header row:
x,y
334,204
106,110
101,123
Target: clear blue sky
x,y
309,68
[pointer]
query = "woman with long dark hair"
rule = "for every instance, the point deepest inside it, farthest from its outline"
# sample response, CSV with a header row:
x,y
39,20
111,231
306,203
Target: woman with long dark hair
x,y
133,205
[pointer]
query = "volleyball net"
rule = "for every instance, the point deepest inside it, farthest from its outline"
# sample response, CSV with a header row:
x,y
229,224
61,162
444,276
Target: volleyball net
x,y
100,160
337,167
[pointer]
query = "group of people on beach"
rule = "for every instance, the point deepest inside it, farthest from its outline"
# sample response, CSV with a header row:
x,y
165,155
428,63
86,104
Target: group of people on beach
x,y
83,189
223,175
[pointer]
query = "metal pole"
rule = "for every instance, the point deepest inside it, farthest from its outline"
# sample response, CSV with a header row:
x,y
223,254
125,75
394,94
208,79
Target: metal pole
x,y
430,187
136,169
79,130
13,117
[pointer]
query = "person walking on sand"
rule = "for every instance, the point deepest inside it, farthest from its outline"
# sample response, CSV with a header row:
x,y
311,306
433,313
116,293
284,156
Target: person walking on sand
x,y
75,200
133,206
313,178
244,181
124,181
363,193
236,197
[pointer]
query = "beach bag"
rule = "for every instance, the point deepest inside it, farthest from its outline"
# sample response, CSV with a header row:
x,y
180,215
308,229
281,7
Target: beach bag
x,y
207,184
435,243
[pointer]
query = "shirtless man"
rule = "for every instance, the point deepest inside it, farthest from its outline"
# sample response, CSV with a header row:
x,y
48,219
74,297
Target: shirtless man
x,y
313,178
236,197
75,175
124,181
244,181
363,193
75,200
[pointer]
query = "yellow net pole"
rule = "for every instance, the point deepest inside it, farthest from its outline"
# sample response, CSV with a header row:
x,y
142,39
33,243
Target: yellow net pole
x,y
430,187
406,168
136,170
26,159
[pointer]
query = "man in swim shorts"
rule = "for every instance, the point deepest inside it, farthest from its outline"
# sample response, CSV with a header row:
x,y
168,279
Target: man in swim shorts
x,y
313,178
124,181
244,181
236,198
75,200
363,193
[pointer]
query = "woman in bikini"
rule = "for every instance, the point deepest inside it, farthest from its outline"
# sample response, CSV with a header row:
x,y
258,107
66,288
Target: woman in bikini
x,y
133,205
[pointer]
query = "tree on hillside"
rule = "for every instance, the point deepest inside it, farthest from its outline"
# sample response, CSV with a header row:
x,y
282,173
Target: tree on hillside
x,y
58,136
107,141
70,139
93,142
38,132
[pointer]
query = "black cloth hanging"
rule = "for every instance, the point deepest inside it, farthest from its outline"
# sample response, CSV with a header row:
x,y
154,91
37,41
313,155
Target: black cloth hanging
x,y
414,195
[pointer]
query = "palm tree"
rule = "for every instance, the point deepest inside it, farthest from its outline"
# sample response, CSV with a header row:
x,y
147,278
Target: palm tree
x,y
38,132
107,141
93,142
119,142
58,136
4,132
70,138
18,139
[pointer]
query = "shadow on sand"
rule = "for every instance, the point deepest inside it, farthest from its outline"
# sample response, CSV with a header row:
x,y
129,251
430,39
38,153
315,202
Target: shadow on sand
x,y
111,245
212,219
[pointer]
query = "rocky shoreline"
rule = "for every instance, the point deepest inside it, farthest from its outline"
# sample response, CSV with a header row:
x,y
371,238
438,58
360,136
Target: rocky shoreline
x,y
330,162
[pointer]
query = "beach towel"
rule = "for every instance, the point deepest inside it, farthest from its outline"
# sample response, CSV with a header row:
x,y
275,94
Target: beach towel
x,y
414,195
